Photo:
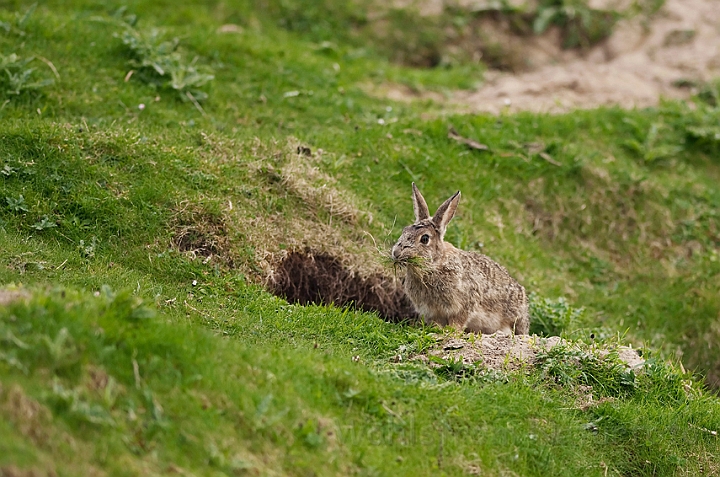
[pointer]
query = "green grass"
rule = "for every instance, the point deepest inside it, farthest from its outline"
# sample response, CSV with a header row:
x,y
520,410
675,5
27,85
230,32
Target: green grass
x,y
138,355
273,387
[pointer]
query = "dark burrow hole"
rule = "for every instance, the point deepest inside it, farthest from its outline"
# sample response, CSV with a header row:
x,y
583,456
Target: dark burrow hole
x,y
308,277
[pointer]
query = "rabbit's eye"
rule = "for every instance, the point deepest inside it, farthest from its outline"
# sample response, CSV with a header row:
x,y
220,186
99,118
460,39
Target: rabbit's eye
x,y
424,239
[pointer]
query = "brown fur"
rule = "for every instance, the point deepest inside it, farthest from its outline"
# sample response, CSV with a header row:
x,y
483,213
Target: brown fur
x,y
451,287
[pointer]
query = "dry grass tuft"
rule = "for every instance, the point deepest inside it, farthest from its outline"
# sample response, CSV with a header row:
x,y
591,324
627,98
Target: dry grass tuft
x,y
297,169
29,417
197,232
12,471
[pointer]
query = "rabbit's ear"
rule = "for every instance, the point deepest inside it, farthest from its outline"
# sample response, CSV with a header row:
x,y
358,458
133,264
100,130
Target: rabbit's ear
x,y
419,205
445,213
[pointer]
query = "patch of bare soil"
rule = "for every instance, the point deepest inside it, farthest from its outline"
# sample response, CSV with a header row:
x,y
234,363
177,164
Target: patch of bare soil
x,y
635,67
9,296
503,352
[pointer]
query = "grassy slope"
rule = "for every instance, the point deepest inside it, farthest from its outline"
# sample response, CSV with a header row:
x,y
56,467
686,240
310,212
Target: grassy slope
x,y
231,380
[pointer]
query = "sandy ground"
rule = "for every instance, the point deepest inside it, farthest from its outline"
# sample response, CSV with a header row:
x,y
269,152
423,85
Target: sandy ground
x,y
9,296
501,352
636,67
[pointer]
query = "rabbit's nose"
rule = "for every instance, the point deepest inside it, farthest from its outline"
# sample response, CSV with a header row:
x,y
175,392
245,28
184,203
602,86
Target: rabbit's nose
x,y
395,251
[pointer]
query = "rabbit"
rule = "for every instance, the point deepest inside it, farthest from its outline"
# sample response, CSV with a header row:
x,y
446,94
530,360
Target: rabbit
x,y
452,287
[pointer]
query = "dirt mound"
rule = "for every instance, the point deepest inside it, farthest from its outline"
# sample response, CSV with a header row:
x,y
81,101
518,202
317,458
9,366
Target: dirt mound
x,y
502,352
635,67
320,278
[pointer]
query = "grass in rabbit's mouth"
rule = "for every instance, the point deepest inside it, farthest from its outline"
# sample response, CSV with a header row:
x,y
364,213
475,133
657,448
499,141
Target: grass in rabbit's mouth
x,y
395,263
415,262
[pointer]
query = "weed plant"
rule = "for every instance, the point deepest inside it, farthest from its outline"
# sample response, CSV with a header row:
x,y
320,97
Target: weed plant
x,y
554,317
160,64
17,77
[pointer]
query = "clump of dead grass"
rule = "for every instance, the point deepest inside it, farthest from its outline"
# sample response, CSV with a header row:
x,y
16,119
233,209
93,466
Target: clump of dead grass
x,y
297,169
13,471
201,233
29,417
